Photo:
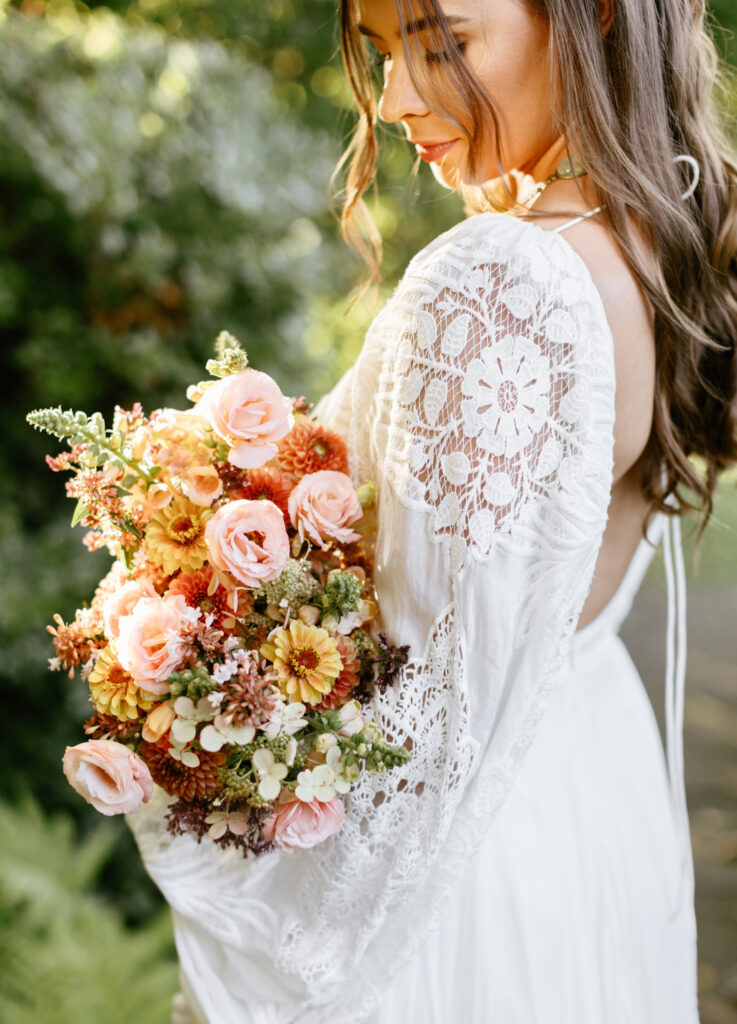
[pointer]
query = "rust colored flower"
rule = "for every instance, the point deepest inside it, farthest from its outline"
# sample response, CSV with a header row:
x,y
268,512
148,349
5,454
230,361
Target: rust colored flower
x,y
249,696
176,778
72,643
108,727
266,483
309,447
195,589
347,680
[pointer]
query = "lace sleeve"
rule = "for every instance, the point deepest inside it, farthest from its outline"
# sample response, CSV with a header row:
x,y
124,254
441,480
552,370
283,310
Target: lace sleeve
x,y
488,428
333,410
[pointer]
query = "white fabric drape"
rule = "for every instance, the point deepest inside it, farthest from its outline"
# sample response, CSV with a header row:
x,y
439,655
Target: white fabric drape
x,y
482,405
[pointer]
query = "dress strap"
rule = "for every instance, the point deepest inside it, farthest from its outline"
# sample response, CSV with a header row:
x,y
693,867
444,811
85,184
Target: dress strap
x,y
576,220
675,680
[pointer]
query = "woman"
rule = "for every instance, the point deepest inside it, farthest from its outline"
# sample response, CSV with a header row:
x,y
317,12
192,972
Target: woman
x,y
533,863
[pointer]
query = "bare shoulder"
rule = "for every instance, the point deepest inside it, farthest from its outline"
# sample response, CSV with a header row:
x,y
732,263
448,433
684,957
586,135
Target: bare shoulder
x,y
630,317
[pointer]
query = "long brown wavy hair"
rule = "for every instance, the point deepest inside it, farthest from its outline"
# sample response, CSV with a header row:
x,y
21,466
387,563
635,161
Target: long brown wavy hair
x,y
627,126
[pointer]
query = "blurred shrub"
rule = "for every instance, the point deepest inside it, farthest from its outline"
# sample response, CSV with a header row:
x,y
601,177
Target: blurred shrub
x,y
65,956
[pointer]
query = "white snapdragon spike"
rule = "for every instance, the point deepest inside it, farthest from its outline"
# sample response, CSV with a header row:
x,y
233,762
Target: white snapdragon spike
x,y
215,699
225,671
291,752
222,731
350,718
189,715
334,761
221,822
285,718
316,784
271,773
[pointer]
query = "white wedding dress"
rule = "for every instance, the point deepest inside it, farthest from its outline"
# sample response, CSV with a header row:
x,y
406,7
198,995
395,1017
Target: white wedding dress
x,y
532,863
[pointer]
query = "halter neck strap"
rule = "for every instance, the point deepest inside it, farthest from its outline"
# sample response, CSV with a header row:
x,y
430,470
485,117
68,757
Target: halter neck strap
x,y
576,220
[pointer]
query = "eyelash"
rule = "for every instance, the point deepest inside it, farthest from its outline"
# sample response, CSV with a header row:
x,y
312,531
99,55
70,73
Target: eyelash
x,y
431,57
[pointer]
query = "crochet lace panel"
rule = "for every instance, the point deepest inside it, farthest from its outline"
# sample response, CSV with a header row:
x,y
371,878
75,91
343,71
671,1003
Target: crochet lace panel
x,y
482,404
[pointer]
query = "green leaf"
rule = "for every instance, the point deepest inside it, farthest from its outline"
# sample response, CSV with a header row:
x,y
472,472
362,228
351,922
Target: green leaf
x,y
80,512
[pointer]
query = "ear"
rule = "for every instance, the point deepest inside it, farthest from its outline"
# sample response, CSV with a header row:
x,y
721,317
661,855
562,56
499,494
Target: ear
x,y
607,15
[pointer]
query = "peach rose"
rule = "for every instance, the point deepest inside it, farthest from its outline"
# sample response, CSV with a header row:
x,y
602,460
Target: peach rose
x,y
150,644
201,484
108,775
249,540
323,504
122,602
249,412
296,824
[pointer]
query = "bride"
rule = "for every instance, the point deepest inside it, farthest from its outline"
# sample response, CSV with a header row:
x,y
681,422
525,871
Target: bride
x,y
526,402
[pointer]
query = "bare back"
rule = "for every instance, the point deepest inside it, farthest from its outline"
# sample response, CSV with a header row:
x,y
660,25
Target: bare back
x,y
630,318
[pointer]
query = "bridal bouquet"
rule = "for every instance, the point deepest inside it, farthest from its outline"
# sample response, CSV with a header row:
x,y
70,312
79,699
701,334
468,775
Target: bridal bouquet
x,y
232,646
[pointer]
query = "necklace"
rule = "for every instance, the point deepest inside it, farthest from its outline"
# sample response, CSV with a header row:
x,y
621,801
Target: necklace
x,y
569,167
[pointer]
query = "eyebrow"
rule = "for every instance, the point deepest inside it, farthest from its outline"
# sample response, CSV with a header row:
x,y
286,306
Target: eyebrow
x,y
415,26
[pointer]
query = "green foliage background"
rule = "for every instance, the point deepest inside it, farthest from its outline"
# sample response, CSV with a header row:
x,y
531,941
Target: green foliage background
x,y
164,167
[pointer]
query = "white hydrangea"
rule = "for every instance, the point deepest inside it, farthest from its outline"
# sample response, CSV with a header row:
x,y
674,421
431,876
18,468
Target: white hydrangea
x,y
270,771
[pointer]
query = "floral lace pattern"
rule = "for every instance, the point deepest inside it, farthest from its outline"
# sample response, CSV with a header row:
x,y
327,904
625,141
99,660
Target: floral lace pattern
x,y
482,404
480,434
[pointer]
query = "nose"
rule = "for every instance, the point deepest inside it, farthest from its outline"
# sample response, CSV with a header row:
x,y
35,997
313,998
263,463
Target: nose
x,y
399,98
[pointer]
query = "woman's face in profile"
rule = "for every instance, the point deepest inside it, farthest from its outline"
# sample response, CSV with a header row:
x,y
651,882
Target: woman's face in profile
x,y
505,44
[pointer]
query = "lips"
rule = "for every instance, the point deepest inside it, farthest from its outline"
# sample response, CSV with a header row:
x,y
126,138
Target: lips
x,y
431,151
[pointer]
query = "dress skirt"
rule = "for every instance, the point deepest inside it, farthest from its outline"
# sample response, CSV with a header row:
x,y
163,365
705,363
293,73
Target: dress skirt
x,y
578,907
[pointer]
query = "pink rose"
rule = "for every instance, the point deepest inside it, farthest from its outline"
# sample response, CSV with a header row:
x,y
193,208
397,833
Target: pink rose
x,y
296,824
150,644
249,540
122,602
249,412
323,504
108,775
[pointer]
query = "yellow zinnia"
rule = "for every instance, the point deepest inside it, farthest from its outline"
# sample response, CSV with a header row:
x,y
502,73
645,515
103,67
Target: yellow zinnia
x,y
306,659
113,690
175,537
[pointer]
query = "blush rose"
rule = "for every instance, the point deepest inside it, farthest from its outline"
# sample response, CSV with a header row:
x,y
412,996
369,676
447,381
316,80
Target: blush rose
x,y
150,644
247,411
297,825
322,505
122,602
108,775
249,540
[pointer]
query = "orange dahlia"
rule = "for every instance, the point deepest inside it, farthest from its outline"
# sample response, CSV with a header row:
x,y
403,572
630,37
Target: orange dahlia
x,y
347,680
306,659
309,447
265,483
178,779
195,588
